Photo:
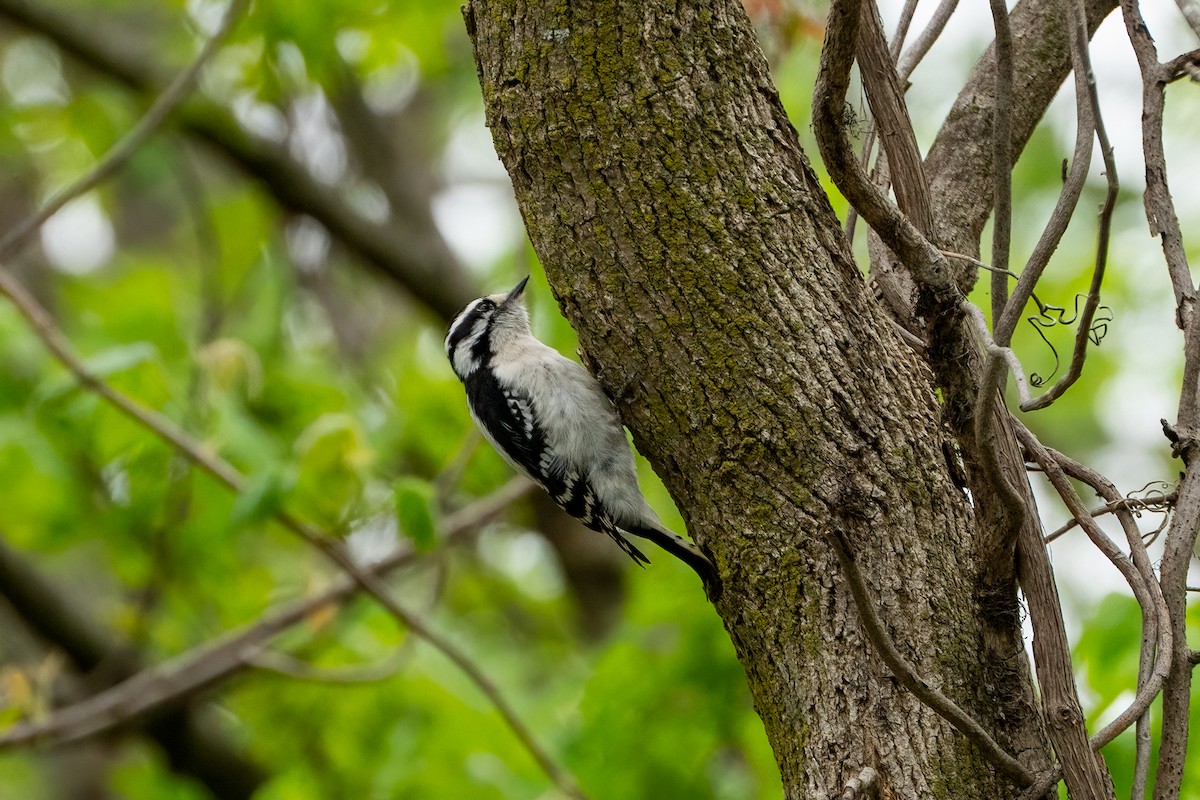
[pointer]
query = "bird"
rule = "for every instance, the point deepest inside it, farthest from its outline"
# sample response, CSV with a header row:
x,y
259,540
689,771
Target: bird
x,y
551,420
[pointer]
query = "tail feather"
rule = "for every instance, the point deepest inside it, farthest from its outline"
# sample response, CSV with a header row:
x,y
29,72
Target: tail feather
x,y
685,551
638,556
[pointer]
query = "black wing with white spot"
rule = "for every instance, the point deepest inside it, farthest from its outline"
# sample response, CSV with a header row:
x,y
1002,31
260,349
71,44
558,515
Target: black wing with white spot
x,y
509,417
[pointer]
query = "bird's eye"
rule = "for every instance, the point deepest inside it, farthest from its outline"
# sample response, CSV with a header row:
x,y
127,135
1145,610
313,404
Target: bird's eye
x,y
486,305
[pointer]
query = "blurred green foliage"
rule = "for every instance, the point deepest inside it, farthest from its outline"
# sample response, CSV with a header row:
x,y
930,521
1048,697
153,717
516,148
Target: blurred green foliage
x,y
328,388
330,391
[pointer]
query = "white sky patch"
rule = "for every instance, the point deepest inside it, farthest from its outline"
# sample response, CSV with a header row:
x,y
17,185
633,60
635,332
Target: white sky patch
x,y
525,557
259,118
353,45
389,89
207,14
373,540
307,242
79,239
370,201
471,156
315,140
32,74
476,213
480,221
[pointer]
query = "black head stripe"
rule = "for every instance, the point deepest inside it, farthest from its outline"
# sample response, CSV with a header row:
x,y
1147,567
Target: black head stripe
x,y
464,323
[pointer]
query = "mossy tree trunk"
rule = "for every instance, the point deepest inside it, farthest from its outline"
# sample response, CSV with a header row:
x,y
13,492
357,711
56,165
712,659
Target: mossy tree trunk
x,y
693,249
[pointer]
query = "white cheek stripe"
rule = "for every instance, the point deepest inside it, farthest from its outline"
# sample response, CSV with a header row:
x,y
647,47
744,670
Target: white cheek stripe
x,y
464,362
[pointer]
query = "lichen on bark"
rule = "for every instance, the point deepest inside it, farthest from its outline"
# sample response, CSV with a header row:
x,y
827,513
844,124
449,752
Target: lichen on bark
x,y
689,242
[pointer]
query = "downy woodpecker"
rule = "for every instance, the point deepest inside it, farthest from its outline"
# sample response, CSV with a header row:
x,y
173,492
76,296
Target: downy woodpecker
x,y
550,419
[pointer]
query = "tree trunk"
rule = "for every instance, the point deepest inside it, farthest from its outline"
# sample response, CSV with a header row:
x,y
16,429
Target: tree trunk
x,y
693,249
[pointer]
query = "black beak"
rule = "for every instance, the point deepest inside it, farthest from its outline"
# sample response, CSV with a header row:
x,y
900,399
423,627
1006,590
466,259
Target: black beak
x,y
517,291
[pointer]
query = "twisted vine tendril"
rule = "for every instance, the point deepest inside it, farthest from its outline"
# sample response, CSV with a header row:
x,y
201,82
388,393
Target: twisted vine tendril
x,y
1049,316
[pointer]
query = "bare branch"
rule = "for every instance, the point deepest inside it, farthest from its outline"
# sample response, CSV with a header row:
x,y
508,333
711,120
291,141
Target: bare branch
x,y
1002,159
1191,12
1068,199
916,52
292,667
946,708
1181,536
829,98
58,618
1177,554
902,26
1156,629
1145,588
1160,207
1187,64
958,164
886,98
224,472
207,665
1086,777
405,250
1083,334
132,141
1160,503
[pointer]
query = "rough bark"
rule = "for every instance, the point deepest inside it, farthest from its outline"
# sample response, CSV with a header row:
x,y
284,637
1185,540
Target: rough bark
x,y
692,247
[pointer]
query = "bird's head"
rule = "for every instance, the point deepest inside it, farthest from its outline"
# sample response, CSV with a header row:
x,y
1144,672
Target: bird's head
x,y
483,326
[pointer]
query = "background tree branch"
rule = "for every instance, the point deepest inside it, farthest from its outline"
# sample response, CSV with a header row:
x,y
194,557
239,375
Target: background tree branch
x,y
183,729
407,250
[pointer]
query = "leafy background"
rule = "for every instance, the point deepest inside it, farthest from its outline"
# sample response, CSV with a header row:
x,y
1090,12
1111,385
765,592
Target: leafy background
x,y
187,285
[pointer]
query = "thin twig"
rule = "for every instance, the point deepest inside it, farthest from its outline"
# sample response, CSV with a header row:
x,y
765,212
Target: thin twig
x,y
1191,12
1078,25
1086,775
886,98
829,98
1187,64
1181,535
1156,630
902,25
296,669
131,142
1160,207
1177,554
1001,155
61,619
942,705
224,472
204,666
404,248
1068,198
1130,503
917,50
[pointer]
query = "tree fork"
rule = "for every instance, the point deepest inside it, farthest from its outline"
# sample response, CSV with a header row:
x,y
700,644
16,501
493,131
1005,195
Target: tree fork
x,y
681,225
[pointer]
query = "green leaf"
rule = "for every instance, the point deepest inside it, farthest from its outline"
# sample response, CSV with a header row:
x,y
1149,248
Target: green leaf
x,y
332,456
416,512
262,498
